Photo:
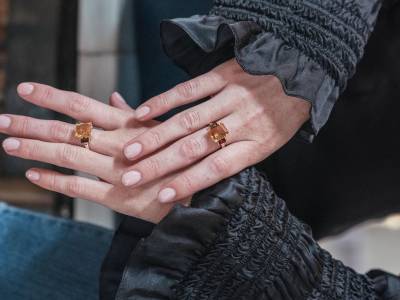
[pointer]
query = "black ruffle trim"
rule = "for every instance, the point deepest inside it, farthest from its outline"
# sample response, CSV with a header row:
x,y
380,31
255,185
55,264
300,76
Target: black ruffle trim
x,y
238,241
333,33
199,43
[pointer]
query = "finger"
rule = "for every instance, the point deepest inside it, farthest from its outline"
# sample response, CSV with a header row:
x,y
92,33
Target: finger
x,y
101,141
74,105
65,156
181,154
70,185
116,100
214,168
195,89
178,126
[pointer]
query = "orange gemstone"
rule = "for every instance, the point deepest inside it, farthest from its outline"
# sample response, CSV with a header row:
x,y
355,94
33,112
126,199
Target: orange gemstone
x,y
217,132
83,130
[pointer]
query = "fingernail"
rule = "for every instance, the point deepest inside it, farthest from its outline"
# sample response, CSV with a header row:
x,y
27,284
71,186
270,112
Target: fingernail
x,y
166,195
142,112
5,122
131,178
133,150
25,89
118,97
32,175
11,144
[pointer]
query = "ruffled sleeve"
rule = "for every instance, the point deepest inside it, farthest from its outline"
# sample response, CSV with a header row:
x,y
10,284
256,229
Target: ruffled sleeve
x,y
239,241
312,46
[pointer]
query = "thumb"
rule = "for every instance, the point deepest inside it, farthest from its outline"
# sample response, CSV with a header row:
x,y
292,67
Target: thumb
x,y
116,100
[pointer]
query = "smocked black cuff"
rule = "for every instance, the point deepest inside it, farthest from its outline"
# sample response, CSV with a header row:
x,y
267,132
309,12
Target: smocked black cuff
x,y
312,46
238,241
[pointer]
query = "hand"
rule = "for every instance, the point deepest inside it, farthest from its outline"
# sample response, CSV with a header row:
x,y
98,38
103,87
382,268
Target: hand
x,y
53,142
258,114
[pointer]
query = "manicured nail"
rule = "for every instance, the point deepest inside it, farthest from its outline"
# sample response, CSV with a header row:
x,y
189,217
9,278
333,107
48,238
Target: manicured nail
x,y
133,150
166,195
5,122
11,144
32,175
131,178
142,112
25,89
118,97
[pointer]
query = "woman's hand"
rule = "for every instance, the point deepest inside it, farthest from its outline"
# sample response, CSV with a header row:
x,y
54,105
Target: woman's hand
x,y
258,114
53,142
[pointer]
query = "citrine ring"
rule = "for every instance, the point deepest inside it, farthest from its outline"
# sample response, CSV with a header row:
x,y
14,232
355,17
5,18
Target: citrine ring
x,y
218,133
83,132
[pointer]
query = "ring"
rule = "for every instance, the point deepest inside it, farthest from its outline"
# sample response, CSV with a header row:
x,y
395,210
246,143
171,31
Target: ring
x,y
218,133
83,131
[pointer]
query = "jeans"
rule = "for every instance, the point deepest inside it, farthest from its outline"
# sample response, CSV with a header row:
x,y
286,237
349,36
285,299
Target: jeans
x,y
43,257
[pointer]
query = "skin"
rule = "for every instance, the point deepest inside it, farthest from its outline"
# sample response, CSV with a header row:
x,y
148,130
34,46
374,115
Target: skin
x,y
258,114
175,155
53,142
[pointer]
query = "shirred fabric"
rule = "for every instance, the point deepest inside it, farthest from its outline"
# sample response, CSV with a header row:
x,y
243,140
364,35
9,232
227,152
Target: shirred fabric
x,y
312,46
200,43
239,241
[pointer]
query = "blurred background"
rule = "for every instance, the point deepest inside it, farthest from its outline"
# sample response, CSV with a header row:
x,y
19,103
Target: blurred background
x,y
97,47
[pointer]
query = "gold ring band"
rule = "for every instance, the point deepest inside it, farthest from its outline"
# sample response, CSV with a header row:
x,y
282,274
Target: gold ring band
x,y
83,132
218,133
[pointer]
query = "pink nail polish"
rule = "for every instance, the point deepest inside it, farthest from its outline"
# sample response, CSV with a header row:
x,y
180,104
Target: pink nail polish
x,y
142,112
166,195
25,89
118,97
11,144
32,175
5,122
133,150
131,178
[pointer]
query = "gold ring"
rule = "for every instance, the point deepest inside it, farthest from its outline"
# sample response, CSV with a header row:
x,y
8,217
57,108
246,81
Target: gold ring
x,y
218,133
83,132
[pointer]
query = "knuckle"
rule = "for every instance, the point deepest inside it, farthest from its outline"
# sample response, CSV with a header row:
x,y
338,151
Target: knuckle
x,y
219,166
78,103
31,149
190,120
162,100
192,149
67,154
152,165
187,89
46,94
24,125
216,77
59,131
187,182
154,139
73,187
243,93
53,182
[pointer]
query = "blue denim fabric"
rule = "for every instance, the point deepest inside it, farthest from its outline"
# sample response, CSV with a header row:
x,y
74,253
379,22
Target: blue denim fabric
x,y
42,257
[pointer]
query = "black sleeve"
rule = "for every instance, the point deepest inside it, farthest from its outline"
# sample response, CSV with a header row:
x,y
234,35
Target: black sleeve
x,y
239,241
312,46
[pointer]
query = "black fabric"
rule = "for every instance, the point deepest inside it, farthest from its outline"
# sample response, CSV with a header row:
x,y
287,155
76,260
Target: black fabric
x,y
351,172
128,234
313,47
199,43
353,165
387,285
239,241
332,33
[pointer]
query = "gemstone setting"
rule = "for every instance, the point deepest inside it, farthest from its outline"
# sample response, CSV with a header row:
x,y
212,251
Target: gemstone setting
x,y
217,132
83,131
